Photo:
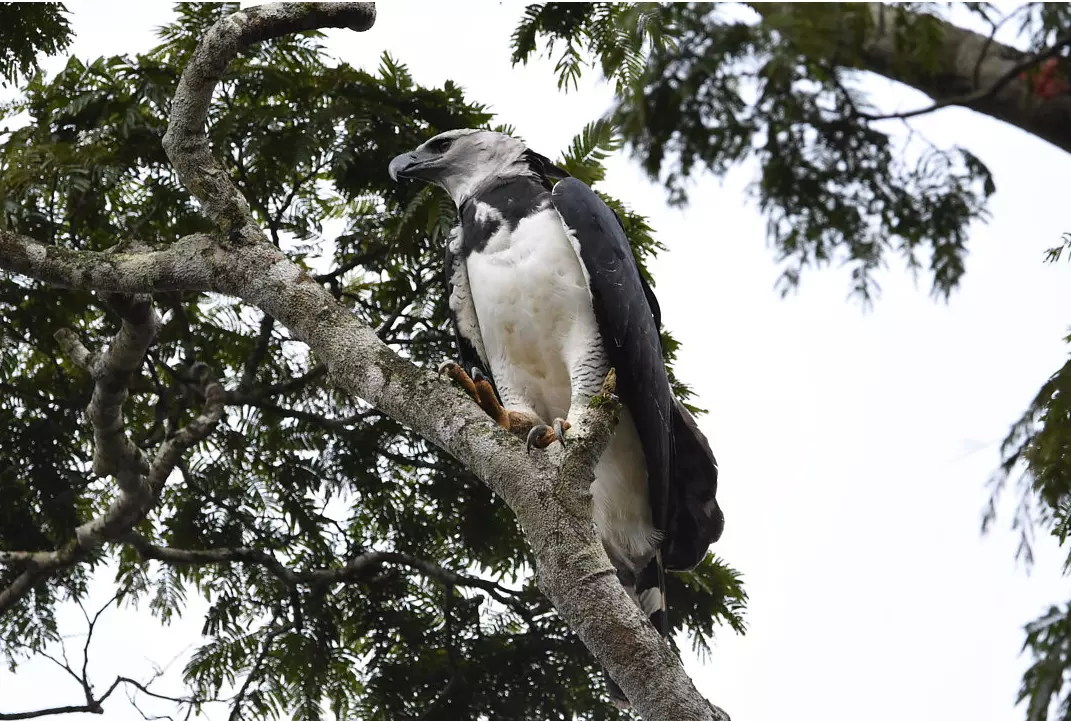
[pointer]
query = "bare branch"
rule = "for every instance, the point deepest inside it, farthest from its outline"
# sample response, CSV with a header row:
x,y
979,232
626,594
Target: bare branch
x,y
355,570
183,700
186,143
312,374
91,627
333,424
94,704
54,711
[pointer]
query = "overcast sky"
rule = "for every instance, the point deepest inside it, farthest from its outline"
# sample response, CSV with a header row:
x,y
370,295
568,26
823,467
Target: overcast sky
x,y
854,447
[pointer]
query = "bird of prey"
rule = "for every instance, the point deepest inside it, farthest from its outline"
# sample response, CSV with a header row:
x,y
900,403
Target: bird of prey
x,y
546,297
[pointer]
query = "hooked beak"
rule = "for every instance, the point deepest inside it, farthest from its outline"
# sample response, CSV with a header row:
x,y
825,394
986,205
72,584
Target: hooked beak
x,y
410,165
398,166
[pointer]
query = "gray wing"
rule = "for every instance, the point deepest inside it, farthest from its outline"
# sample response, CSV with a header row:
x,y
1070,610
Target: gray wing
x,y
682,473
470,346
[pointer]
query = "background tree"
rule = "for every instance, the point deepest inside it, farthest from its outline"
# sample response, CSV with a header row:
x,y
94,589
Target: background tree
x,y
704,88
347,560
26,31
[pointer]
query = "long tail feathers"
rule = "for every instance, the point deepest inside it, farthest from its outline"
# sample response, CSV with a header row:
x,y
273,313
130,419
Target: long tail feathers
x,y
648,590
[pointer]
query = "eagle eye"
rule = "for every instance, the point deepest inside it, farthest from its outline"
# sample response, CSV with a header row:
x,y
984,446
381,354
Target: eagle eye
x,y
441,145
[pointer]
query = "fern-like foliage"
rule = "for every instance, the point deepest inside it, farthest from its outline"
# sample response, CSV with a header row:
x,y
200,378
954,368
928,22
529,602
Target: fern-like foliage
x,y
584,157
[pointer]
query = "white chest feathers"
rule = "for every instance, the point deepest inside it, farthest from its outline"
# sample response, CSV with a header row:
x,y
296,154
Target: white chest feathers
x,y
533,307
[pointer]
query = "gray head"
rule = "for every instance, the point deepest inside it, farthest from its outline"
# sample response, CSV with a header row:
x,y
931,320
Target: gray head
x,y
461,161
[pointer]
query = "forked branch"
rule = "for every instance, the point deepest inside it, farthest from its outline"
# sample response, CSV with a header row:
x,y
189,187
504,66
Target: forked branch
x,y
139,480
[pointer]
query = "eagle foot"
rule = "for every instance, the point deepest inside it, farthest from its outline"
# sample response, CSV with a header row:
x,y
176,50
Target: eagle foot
x,y
543,435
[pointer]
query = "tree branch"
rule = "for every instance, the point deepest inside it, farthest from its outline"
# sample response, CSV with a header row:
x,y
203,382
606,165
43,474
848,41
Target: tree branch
x,y
968,69
140,482
187,265
972,99
94,704
54,711
186,143
113,451
355,570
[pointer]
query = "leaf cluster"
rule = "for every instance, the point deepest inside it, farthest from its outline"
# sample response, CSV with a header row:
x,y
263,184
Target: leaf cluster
x,y
28,30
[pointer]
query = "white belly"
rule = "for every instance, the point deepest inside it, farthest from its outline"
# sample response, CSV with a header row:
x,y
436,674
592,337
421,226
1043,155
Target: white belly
x,y
530,294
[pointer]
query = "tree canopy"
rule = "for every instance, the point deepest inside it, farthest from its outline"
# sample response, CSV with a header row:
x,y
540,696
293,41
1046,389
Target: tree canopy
x,y
273,516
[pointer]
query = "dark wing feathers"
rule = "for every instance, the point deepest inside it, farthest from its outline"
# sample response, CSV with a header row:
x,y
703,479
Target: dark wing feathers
x,y
656,311
682,473
695,519
628,328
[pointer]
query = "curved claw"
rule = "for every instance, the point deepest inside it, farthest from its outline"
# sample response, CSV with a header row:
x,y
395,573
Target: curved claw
x,y
542,435
559,430
477,375
536,436
444,366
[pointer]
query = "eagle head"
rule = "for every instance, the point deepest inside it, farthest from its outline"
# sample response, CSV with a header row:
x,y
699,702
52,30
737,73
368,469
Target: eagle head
x,y
461,161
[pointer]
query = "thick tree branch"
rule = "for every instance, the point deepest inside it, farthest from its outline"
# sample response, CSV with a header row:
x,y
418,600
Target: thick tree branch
x,y
984,93
113,451
182,266
970,69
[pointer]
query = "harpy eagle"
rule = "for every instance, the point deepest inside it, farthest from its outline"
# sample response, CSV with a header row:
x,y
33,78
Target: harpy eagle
x,y
546,296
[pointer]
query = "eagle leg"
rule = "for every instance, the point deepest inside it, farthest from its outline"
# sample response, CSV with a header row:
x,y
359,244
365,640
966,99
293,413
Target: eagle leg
x,y
543,435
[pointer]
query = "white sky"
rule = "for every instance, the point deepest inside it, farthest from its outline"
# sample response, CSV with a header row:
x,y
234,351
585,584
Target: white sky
x,y
854,446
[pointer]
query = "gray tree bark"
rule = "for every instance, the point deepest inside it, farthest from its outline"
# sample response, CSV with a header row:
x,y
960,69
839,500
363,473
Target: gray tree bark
x,y
548,492
969,70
